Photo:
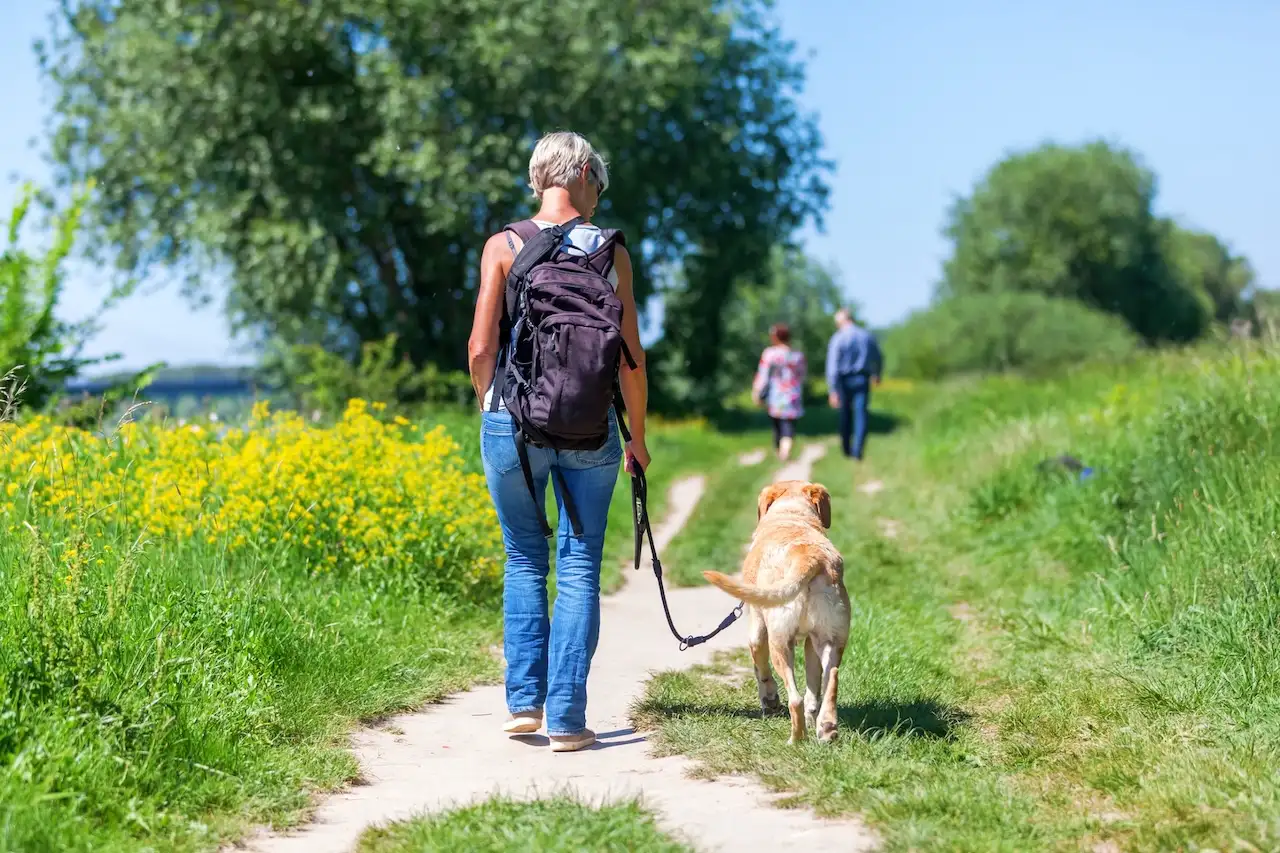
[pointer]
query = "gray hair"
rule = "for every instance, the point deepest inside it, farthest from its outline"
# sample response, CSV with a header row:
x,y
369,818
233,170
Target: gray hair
x,y
558,159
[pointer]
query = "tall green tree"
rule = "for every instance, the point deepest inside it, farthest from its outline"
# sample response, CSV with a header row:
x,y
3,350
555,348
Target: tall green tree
x,y
790,288
795,289
342,161
1207,265
1074,223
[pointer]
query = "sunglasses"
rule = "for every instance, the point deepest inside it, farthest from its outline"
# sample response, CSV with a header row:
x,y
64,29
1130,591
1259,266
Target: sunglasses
x,y
594,178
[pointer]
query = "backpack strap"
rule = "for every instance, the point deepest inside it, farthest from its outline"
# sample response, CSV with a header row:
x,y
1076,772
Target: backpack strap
x,y
611,239
525,229
520,229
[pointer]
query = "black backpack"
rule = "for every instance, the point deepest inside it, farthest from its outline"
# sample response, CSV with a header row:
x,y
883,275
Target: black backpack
x,y
561,347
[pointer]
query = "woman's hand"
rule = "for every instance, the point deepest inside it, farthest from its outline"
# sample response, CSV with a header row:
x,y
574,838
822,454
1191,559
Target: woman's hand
x,y
636,455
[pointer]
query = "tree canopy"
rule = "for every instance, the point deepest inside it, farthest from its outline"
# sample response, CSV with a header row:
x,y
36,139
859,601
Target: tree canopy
x,y
790,288
1074,223
341,161
1207,266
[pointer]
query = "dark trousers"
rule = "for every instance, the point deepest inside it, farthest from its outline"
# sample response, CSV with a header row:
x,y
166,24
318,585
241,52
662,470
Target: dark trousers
x,y
782,429
854,392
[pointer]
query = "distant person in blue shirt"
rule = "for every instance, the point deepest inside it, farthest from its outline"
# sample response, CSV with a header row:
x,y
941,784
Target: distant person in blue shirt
x,y
853,364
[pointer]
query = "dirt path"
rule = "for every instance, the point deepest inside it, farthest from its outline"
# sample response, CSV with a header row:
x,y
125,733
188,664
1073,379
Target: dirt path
x,y
872,487
454,753
800,467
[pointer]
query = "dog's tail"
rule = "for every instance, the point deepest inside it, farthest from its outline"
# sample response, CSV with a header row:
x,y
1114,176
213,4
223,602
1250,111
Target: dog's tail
x,y
765,596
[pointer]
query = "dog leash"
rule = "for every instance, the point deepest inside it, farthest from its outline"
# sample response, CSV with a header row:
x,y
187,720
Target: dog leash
x,y
640,505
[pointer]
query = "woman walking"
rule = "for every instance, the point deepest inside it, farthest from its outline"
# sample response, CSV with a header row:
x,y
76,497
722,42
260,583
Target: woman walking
x,y
779,383
548,659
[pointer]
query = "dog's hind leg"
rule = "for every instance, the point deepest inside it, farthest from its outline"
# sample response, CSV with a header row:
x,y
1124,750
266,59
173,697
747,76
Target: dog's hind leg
x,y
832,654
766,686
812,683
784,660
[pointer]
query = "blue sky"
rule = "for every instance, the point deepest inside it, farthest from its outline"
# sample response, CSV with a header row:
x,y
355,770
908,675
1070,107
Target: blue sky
x,y
916,98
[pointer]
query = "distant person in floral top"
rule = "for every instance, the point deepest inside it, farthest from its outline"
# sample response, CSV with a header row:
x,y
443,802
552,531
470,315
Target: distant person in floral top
x,y
779,384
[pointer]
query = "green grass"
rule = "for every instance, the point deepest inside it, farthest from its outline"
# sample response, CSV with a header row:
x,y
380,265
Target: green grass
x,y
1035,663
555,825
1038,662
164,699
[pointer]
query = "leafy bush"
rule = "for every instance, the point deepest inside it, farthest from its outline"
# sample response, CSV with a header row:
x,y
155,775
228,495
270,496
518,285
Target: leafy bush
x,y
1003,331
324,381
1076,222
38,351
1265,307
1207,266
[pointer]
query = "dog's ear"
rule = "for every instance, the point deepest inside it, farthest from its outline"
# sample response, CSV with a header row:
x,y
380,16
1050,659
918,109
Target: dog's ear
x,y
768,495
818,495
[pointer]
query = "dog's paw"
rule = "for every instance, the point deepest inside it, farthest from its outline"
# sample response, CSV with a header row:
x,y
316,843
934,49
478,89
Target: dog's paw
x,y
827,732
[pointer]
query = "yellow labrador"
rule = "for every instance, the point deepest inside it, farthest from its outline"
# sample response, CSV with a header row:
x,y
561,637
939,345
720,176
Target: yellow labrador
x,y
793,585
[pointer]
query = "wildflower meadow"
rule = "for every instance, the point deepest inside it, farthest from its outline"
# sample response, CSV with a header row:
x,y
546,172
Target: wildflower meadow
x,y
388,501
191,614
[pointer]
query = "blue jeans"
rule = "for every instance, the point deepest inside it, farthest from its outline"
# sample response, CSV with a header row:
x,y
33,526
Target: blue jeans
x,y
854,392
548,659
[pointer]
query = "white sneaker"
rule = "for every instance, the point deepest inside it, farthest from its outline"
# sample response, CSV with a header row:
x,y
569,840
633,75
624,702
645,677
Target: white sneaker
x,y
573,743
523,723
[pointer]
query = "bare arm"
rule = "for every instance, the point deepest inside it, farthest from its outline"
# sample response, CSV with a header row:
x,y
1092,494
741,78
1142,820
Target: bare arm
x,y
761,379
482,347
634,381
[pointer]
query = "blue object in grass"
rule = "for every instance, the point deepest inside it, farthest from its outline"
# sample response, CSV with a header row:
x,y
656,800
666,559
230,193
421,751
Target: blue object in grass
x,y
1069,463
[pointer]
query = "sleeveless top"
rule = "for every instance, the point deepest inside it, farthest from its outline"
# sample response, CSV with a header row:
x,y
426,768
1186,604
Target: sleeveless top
x,y
584,237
